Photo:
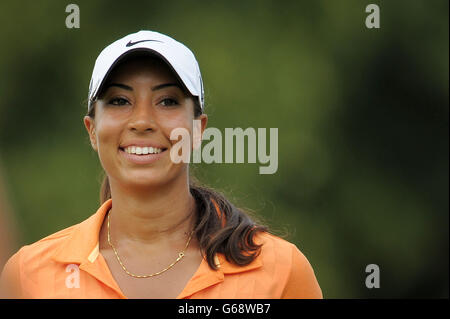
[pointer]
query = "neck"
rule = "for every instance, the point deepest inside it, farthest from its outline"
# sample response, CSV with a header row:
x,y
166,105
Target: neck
x,y
160,214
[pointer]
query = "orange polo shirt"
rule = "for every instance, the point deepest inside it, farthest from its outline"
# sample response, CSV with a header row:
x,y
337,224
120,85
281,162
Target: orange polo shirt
x,y
68,264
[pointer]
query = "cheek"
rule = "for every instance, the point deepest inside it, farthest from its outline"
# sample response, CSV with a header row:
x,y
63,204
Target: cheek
x,y
182,121
108,131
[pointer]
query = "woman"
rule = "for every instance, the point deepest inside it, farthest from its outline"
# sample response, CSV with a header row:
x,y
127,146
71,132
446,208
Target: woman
x,y
156,234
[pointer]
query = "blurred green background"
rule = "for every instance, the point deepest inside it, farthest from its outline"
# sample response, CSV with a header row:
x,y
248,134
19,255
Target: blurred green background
x,y
362,118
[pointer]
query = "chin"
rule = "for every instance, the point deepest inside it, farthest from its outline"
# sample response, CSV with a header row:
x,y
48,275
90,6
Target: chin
x,y
146,179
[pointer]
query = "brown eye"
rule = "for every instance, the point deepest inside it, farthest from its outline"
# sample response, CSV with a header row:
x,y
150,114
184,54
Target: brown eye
x,y
169,102
118,101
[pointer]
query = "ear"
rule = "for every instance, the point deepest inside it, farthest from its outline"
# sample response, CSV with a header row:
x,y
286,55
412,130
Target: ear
x,y
203,118
89,123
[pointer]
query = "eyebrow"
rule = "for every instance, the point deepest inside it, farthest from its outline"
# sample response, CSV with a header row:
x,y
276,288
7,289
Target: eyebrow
x,y
122,86
155,88
162,86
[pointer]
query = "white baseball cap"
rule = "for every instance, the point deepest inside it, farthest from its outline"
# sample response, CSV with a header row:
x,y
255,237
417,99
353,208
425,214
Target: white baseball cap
x,y
181,60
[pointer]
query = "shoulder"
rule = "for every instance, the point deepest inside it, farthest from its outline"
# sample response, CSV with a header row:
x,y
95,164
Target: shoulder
x,y
44,247
277,249
273,241
30,259
283,259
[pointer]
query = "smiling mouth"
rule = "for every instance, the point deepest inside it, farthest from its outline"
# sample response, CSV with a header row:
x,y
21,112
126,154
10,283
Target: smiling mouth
x,y
137,150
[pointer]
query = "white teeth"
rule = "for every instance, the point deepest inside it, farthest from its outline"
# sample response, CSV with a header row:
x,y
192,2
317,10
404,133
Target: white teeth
x,y
142,150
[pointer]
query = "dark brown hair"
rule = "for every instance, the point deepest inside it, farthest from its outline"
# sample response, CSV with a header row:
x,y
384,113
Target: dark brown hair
x,y
228,230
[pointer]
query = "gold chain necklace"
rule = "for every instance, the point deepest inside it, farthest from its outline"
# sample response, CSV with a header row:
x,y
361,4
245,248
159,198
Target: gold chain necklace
x,y
180,256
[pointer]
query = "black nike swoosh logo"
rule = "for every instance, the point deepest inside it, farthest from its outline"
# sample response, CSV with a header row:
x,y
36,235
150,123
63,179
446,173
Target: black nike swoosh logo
x,y
129,44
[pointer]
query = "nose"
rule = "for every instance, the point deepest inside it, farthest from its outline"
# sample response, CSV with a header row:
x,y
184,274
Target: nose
x,y
142,118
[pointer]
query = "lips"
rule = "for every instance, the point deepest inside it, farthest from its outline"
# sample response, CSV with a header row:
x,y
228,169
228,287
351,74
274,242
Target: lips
x,y
141,159
143,150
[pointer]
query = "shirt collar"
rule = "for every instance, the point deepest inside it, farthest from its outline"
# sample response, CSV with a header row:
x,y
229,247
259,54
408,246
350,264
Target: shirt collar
x,y
82,247
206,277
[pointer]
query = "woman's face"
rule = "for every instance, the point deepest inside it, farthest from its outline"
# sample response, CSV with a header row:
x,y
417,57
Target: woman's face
x,y
140,105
